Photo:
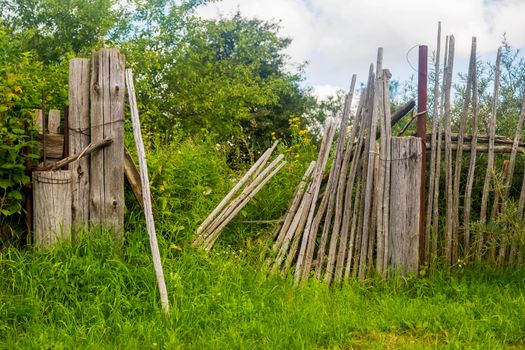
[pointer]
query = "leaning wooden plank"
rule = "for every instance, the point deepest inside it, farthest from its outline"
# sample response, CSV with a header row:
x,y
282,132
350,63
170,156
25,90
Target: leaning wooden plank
x,y
352,239
384,178
369,175
349,187
449,220
436,191
490,158
210,241
356,236
473,155
459,158
340,192
258,164
404,219
231,207
133,177
294,205
373,216
78,120
295,229
294,246
433,143
308,234
221,210
379,183
148,211
331,190
92,147
498,193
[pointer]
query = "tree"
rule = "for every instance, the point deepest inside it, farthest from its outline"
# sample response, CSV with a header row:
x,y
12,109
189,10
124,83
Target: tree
x,y
227,77
55,28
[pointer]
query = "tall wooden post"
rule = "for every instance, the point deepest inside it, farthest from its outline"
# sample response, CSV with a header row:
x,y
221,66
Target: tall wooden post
x,y
107,120
405,203
78,124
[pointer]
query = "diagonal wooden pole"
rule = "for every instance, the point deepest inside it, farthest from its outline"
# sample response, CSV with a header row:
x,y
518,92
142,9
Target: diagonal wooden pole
x,y
148,212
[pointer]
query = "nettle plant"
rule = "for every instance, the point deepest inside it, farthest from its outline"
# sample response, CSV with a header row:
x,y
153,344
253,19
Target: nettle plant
x,y
16,145
16,141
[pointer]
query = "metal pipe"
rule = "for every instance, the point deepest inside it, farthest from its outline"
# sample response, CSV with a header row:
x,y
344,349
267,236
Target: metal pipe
x,y
422,133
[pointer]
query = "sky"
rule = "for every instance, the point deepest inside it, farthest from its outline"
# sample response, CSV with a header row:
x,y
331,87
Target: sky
x,y
339,38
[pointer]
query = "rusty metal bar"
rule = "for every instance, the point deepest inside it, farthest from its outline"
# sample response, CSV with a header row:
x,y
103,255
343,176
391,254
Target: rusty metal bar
x,y
44,127
422,133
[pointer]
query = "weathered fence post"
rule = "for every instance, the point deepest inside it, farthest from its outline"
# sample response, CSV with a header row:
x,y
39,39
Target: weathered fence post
x,y
405,204
107,120
78,120
52,207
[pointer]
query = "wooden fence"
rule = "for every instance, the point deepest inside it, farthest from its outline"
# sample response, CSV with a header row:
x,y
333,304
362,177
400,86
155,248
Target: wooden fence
x,y
365,216
92,136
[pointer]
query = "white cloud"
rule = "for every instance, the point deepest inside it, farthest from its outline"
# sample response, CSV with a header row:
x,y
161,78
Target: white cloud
x,y
324,91
341,37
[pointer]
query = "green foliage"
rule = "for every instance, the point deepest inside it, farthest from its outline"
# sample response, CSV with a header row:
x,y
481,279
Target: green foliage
x,y
90,296
55,28
187,178
24,83
16,146
227,78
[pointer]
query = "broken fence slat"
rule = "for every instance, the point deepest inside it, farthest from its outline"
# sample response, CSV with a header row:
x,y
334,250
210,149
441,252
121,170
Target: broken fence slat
x,y
148,211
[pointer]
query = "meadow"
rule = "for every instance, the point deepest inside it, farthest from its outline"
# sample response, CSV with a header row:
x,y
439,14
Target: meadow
x,y
94,296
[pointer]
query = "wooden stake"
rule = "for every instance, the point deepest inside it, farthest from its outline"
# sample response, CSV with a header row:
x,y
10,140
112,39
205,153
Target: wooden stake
x,y
308,234
369,173
435,209
148,211
338,192
384,179
259,164
473,153
355,153
295,229
459,157
246,192
210,241
448,157
294,206
490,159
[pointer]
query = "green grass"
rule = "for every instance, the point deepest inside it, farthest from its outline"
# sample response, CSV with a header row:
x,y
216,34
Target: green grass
x,y
91,296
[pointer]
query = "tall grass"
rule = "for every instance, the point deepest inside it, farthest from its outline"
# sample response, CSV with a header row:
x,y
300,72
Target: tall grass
x,y
89,295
